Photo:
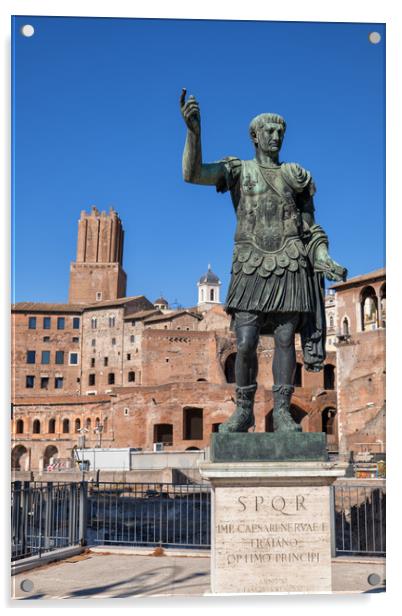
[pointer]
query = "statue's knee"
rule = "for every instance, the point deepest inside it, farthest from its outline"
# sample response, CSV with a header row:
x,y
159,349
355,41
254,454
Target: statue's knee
x,y
285,338
246,346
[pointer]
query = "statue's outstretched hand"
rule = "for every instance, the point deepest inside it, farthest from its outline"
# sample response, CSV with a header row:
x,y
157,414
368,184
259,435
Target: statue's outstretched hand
x,y
190,111
331,269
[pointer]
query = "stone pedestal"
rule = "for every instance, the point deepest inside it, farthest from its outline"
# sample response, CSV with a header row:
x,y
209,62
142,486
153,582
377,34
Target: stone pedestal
x,y
271,530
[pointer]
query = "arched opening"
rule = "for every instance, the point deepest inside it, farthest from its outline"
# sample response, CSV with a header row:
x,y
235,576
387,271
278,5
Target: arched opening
x,y
212,295
52,426
19,458
329,376
383,306
192,423
19,426
77,425
230,368
368,309
201,380
330,426
104,424
298,375
36,427
345,327
49,454
215,427
88,423
66,426
163,433
193,449
97,423
331,321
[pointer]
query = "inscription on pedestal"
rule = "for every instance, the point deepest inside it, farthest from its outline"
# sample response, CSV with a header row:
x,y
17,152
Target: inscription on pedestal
x,y
270,539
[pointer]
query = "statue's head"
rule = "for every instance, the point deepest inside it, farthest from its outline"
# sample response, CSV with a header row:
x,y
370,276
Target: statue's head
x,y
267,131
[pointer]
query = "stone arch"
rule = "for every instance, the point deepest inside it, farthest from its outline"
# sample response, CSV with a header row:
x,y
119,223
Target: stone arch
x,y
88,423
368,308
229,368
19,426
329,376
36,426
50,452
19,458
66,426
52,426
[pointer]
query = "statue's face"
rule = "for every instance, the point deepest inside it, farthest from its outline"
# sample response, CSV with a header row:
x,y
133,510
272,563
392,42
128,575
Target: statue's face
x,y
269,137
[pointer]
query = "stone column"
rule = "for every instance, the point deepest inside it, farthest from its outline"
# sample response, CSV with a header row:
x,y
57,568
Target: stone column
x,y
271,527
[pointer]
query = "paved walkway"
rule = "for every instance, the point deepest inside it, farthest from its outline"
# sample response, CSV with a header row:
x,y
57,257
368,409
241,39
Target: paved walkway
x,y
101,575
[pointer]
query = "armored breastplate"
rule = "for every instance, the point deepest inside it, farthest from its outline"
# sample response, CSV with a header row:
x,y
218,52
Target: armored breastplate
x,y
269,223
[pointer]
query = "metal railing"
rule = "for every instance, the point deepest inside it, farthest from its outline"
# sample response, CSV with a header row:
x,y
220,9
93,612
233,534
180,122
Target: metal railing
x,y
46,516
149,514
49,515
358,515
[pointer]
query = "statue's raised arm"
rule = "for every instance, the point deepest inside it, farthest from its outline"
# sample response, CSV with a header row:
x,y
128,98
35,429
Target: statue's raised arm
x,y
194,170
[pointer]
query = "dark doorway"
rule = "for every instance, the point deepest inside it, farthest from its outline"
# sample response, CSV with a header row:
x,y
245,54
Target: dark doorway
x,y
192,424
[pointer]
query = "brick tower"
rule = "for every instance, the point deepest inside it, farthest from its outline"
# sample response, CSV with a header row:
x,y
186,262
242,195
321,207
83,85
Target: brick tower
x,y
97,274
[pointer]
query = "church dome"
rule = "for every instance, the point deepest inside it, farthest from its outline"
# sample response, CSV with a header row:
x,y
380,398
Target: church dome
x,y
161,301
209,277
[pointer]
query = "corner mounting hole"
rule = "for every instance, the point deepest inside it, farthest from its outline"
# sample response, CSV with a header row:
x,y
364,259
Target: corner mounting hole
x,y
374,37
27,30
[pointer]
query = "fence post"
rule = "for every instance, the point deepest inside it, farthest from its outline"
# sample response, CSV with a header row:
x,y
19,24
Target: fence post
x,y
15,515
72,518
332,520
48,514
83,504
24,516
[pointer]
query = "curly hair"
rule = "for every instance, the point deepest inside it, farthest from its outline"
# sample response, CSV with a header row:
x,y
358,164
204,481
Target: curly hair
x,y
264,118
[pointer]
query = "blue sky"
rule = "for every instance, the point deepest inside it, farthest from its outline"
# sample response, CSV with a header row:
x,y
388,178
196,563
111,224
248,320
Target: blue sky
x,y
96,121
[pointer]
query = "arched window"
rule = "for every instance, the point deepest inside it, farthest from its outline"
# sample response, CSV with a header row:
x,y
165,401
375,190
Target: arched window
x,y
368,309
52,426
19,458
192,423
110,378
88,423
328,421
298,375
20,426
104,424
212,295
230,368
77,425
49,454
331,321
345,327
163,433
36,427
66,426
93,323
97,422
329,376
202,295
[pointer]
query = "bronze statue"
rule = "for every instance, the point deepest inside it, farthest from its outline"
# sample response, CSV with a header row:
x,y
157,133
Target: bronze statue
x,y
279,261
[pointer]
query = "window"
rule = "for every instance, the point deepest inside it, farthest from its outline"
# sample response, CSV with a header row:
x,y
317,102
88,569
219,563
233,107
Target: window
x,y
30,381
98,296
212,295
345,327
88,423
77,425
76,322
59,357
163,433
92,362
93,342
32,323
113,341
66,426
52,426
91,379
73,359
128,356
132,338
126,412
105,361
31,357
20,427
45,357
329,376
202,295
44,382
61,322
112,321
46,338
131,377
331,321
58,382
110,378
36,427
94,323
192,423
75,339
215,427
46,322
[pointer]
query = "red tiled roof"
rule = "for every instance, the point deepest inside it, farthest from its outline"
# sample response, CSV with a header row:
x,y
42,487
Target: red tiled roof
x,y
379,273
46,307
